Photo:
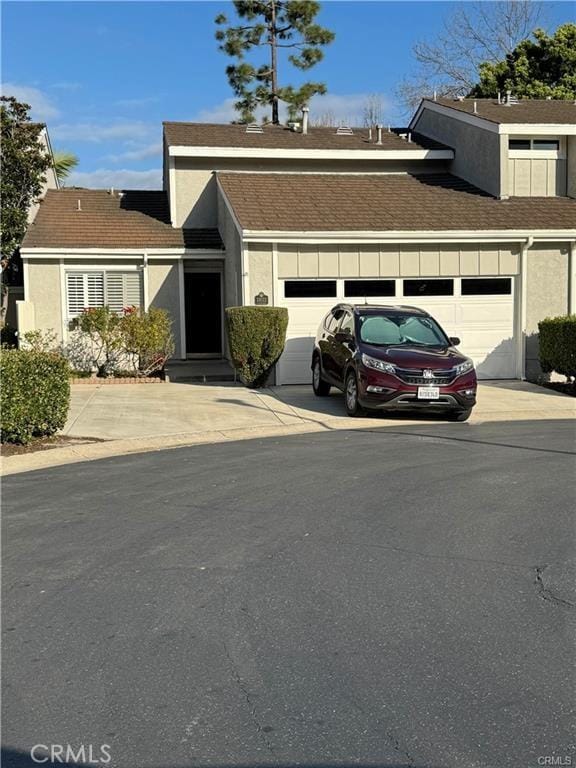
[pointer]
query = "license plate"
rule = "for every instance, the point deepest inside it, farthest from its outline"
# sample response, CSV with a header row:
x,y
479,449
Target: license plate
x,y
428,393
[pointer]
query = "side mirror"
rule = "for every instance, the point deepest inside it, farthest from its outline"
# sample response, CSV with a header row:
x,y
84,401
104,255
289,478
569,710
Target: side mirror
x,y
343,336
454,340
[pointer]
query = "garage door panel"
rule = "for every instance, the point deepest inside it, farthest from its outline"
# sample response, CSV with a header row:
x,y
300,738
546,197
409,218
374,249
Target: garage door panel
x,y
485,325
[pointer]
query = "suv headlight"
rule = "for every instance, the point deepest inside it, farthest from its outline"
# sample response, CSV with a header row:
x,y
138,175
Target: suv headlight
x,y
378,365
464,367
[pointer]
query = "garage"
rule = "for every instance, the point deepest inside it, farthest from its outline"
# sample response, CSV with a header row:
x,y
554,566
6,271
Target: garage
x,y
477,309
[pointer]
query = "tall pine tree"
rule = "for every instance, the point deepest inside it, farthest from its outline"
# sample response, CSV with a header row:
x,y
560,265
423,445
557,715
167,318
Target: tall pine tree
x,y
277,25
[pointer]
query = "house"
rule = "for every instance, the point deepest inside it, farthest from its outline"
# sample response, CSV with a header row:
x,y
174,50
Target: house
x,y
470,212
14,280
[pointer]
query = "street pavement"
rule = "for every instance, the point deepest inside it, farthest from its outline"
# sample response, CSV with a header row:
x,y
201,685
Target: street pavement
x,y
392,597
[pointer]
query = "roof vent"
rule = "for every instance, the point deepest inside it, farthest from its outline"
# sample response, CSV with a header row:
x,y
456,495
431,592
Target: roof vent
x,y
510,100
79,208
344,130
254,128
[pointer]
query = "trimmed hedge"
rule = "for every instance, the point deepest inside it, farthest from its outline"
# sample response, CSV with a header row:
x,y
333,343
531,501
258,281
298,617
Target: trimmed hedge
x,y
256,336
35,394
557,338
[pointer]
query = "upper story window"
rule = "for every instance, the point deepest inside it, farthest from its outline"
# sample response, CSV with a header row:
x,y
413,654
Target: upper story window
x,y
530,146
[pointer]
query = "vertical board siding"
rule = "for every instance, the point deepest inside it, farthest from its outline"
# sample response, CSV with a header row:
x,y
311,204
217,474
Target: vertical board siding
x,y
349,261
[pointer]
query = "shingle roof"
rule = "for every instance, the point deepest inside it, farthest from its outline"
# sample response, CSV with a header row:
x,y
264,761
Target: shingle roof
x,y
400,202
130,219
535,111
280,137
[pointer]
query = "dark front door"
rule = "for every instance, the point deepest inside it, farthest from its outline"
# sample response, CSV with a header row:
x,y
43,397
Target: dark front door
x,y
203,302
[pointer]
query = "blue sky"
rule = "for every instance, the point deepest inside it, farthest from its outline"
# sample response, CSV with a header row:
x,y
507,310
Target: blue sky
x,y
104,75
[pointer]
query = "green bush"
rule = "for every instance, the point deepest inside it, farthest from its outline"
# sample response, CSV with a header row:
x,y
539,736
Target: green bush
x,y
256,336
557,338
147,337
102,331
35,394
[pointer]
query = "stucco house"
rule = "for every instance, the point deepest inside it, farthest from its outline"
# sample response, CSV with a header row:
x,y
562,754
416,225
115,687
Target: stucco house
x,y
470,213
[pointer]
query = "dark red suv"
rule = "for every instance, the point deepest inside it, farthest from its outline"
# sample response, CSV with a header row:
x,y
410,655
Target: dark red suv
x,y
392,358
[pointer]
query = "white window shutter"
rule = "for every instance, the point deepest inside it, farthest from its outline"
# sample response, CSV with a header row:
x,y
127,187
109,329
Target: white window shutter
x,y
132,289
94,289
115,291
75,293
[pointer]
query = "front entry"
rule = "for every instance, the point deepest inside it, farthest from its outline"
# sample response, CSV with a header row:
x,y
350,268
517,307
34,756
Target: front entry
x,y
203,301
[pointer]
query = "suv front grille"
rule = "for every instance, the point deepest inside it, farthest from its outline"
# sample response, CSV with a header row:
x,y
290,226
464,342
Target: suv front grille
x,y
440,378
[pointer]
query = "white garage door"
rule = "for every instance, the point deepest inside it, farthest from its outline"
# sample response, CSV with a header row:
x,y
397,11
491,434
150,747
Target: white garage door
x,y
480,311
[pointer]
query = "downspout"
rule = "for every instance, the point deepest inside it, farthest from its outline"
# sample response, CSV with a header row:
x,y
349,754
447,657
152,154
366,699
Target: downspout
x,y
522,313
145,283
245,275
572,278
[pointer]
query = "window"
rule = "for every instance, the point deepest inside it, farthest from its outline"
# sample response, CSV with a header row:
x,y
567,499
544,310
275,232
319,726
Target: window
x,y
309,289
534,144
347,325
117,290
428,287
397,329
486,286
519,144
546,144
369,288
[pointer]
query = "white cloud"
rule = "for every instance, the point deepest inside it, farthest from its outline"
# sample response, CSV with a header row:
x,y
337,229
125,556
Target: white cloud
x,y
141,153
42,107
99,132
343,108
104,178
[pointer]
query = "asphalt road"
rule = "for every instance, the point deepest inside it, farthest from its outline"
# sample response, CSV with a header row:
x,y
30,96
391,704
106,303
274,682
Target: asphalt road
x,y
399,597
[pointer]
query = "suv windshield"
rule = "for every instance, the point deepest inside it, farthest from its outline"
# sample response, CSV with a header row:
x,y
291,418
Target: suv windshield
x,y
397,330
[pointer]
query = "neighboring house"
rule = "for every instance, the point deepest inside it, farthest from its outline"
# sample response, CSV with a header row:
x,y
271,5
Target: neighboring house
x,y
468,213
16,288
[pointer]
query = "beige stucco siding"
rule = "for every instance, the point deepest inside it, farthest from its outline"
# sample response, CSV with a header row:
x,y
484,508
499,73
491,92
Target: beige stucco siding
x,y
296,261
43,289
546,293
477,152
261,279
195,185
164,292
233,259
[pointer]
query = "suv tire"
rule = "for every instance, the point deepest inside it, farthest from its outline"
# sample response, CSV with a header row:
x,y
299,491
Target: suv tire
x,y
321,388
353,407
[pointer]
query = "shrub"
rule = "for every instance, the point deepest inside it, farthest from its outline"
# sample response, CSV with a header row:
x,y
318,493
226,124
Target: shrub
x,y
147,337
35,394
557,338
40,341
102,329
256,336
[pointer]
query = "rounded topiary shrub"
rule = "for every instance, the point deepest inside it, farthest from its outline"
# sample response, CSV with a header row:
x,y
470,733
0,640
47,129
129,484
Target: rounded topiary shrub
x,y
256,336
557,340
35,394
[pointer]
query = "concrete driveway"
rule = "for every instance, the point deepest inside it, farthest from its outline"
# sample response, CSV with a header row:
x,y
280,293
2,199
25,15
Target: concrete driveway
x,y
393,598
132,418
156,410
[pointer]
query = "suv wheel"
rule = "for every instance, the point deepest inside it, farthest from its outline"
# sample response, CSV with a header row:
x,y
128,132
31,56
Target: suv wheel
x,y
321,388
353,407
459,415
